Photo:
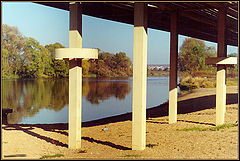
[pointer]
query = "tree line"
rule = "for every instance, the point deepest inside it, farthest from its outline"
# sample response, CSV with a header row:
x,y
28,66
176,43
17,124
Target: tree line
x,y
25,57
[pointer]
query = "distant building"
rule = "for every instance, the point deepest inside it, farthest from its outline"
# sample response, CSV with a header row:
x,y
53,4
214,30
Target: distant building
x,y
158,67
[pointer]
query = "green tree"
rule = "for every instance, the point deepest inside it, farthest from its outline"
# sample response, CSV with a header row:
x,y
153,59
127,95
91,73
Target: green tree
x,y
111,65
12,48
59,68
5,67
232,55
192,55
85,66
123,63
36,61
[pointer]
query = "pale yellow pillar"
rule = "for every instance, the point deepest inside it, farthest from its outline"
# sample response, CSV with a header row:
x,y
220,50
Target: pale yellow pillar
x,y
75,78
139,77
220,83
173,69
220,97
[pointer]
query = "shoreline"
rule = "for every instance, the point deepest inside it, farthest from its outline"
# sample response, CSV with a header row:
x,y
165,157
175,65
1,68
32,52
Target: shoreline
x,y
162,109
196,111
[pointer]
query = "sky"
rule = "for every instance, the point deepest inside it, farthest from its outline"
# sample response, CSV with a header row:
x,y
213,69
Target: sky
x,y
50,25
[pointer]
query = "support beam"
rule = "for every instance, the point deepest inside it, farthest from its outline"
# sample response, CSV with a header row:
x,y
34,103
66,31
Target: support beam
x,y
173,69
75,33
221,39
221,61
221,74
219,5
75,78
139,77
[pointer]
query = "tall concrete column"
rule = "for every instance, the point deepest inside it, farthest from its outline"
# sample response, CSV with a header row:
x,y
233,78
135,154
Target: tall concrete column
x,y
75,78
173,69
221,69
139,77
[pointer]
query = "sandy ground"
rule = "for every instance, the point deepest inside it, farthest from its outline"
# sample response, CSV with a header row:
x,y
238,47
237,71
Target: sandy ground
x,y
163,140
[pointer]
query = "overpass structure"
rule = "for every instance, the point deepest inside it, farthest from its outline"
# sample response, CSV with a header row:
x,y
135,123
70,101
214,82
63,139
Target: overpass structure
x,y
210,21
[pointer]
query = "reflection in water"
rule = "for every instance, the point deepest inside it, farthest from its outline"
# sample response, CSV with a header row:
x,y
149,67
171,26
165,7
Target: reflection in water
x,y
96,91
28,97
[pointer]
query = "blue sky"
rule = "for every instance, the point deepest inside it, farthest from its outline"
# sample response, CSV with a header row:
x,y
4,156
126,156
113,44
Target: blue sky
x,y
49,25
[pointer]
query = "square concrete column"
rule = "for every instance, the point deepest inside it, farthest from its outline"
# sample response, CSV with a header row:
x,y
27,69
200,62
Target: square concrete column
x,y
75,78
75,53
173,69
220,95
221,63
139,77
221,69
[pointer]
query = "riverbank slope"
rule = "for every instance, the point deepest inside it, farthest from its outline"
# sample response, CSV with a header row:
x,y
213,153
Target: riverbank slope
x,y
194,136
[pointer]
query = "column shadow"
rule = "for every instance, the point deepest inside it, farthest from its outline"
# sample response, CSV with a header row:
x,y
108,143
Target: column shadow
x,y
185,106
196,122
58,129
27,129
106,143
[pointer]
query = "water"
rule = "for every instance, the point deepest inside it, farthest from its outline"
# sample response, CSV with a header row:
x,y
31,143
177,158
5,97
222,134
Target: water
x,y
43,101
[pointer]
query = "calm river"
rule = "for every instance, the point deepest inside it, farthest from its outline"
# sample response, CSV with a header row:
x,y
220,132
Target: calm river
x,y
43,101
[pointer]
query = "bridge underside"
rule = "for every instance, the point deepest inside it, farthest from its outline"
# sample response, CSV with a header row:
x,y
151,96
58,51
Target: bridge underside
x,y
210,21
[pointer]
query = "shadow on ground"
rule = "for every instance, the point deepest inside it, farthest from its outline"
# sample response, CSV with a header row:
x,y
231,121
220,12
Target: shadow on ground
x,y
185,106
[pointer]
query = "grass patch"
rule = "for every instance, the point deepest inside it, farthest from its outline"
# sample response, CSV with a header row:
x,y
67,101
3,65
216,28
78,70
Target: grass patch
x,y
151,145
189,82
132,155
82,151
51,156
90,75
232,82
215,128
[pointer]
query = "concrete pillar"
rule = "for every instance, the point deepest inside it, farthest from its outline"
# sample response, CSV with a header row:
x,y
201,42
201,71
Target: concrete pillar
x,y
221,69
139,77
75,78
173,69
220,96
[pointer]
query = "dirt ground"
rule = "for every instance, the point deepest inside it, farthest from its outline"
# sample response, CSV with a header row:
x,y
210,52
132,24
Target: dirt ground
x,y
163,140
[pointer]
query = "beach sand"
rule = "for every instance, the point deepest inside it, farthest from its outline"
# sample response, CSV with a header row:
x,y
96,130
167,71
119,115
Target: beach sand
x,y
163,141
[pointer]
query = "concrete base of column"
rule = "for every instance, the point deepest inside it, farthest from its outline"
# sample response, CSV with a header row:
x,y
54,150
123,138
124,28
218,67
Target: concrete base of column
x,y
173,106
75,107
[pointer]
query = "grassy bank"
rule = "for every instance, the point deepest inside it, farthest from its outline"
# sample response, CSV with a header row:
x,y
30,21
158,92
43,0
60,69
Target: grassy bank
x,y
157,73
205,79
